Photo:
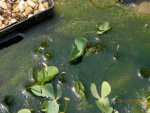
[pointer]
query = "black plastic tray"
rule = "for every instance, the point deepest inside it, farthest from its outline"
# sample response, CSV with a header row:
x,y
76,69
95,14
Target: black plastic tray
x,y
5,34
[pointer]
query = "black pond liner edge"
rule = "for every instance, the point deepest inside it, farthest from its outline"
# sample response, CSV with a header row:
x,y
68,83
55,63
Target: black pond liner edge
x,y
13,30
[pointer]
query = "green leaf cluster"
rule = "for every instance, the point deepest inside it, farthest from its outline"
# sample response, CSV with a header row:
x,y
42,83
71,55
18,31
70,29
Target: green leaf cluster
x,y
47,90
80,89
102,101
103,27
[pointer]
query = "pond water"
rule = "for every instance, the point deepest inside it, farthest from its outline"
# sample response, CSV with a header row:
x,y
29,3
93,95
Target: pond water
x,y
73,19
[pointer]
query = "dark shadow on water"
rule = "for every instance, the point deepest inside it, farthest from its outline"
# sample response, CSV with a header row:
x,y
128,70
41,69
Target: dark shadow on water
x,y
131,1
13,40
77,61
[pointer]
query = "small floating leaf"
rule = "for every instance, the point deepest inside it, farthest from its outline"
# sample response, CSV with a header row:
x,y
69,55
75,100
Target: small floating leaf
x,y
105,90
78,49
94,91
103,27
24,111
52,107
59,92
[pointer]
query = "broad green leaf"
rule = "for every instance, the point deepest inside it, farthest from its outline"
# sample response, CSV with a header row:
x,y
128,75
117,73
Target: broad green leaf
x,y
52,107
78,49
105,89
94,91
80,43
75,53
48,91
52,72
37,90
44,91
24,111
103,27
59,92
47,73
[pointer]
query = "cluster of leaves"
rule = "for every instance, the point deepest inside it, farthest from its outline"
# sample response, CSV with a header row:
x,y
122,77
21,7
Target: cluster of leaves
x,y
82,46
79,88
45,89
102,101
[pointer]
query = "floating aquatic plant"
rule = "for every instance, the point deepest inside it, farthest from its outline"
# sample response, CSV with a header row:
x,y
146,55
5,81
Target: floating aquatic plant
x,y
78,49
79,88
103,27
46,73
51,105
102,101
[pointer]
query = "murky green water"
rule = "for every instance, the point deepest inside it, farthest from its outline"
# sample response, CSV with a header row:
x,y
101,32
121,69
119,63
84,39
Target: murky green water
x,y
72,19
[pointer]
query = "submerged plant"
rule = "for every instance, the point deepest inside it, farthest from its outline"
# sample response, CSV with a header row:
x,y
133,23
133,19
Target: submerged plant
x,y
79,88
102,101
